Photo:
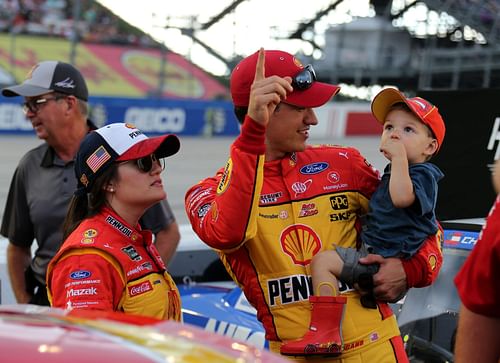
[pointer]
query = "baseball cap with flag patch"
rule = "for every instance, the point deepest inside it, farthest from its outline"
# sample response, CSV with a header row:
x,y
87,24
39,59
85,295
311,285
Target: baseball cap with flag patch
x,y
423,109
307,91
50,76
117,142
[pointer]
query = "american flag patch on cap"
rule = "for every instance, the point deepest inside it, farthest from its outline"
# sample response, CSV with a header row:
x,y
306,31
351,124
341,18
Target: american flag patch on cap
x,y
98,158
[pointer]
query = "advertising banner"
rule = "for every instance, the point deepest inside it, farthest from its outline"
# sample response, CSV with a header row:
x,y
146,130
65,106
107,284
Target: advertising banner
x,y
153,116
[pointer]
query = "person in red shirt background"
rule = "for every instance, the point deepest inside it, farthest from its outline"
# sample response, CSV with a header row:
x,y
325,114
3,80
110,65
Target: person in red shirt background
x,y
478,286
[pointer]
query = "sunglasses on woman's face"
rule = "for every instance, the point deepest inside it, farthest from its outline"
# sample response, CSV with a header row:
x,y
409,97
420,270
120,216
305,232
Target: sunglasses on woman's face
x,y
146,163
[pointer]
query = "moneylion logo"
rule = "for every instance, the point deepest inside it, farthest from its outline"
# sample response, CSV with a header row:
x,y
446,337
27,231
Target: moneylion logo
x,y
301,243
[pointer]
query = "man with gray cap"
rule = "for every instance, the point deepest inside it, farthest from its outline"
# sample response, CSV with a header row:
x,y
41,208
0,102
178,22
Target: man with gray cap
x,y
56,98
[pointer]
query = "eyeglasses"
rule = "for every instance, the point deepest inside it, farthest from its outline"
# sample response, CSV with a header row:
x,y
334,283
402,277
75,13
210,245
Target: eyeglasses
x,y
35,105
146,163
304,79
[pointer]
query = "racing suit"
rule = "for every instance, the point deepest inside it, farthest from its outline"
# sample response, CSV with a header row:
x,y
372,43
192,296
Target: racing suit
x,y
268,220
107,265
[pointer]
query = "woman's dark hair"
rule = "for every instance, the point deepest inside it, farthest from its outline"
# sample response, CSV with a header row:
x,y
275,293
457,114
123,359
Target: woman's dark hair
x,y
88,205
240,113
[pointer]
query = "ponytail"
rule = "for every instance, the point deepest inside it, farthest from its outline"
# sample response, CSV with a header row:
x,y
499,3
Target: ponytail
x,y
85,205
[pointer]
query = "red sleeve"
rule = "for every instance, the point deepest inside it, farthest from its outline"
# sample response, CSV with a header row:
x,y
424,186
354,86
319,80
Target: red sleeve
x,y
476,281
423,267
223,209
86,282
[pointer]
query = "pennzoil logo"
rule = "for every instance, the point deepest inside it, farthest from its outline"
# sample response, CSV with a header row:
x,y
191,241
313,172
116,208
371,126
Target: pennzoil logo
x,y
226,177
301,243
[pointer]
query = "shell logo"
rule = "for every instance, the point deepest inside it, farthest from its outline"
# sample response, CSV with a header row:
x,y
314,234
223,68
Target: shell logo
x,y
301,243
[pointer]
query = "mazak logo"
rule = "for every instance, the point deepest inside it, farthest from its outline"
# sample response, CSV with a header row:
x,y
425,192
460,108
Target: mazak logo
x,y
140,289
314,168
339,202
81,292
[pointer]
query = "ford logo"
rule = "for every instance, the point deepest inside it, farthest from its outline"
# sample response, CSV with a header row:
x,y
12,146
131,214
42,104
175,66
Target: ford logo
x,y
314,168
80,274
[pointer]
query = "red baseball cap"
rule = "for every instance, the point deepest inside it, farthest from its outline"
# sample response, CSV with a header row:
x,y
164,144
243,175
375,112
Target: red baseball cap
x,y
283,64
423,109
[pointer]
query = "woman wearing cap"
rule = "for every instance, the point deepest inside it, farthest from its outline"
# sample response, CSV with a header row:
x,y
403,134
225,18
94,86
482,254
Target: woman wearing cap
x,y
107,262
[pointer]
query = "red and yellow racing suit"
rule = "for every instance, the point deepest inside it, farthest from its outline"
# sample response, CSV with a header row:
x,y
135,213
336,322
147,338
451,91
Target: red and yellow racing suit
x,y
107,265
268,220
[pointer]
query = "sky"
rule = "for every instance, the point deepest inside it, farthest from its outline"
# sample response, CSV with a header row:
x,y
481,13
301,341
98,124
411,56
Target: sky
x,y
260,23
254,23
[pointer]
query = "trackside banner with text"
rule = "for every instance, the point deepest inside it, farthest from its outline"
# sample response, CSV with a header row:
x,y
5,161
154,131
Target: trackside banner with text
x,y
153,116
195,117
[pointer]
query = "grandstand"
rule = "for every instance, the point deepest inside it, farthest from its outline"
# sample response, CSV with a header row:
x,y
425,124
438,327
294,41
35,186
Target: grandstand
x,y
459,49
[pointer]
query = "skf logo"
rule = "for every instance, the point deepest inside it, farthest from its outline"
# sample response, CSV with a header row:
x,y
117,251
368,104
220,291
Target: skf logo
x,y
226,177
342,216
339,202
301,243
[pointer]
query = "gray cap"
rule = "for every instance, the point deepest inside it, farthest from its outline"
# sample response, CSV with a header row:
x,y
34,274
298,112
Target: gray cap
x,y
50,76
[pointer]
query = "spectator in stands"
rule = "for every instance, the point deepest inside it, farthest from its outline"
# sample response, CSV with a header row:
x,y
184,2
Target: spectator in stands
x,y
56,104
477,285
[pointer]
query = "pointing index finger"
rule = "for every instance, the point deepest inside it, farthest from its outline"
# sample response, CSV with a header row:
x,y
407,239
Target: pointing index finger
x,y
260,67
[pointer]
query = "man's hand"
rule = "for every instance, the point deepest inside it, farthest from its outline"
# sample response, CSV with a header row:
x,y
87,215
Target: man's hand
x,y
390,280
266,93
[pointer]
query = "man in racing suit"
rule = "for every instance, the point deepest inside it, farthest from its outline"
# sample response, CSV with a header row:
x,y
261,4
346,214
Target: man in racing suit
x,y
277,203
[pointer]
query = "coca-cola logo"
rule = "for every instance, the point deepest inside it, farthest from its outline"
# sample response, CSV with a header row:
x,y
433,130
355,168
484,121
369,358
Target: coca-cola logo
x,y
139,289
